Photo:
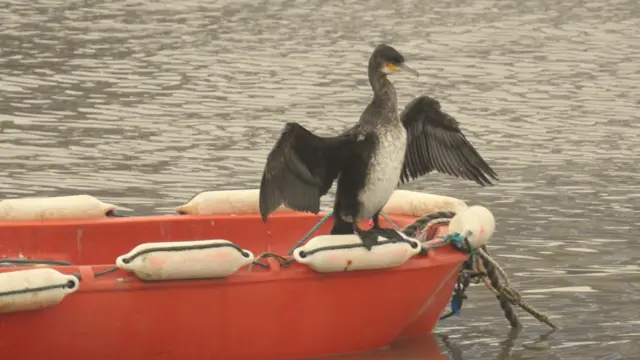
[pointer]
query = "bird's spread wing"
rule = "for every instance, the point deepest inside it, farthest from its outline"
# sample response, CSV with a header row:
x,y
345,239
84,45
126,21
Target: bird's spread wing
x,y
302,167
435,142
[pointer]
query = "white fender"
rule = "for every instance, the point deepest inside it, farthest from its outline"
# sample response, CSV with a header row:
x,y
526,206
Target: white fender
x,y
198,259
51,208
217,202
417,204
476,223
31,287
318,254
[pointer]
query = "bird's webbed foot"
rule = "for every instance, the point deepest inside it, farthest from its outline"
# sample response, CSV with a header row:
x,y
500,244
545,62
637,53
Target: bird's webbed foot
x,y
369,237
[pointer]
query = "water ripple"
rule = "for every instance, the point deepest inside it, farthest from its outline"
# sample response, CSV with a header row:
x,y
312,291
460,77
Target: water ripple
x,y
145,103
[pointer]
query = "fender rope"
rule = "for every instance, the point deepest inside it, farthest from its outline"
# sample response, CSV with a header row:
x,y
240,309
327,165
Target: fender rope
x,y
480,267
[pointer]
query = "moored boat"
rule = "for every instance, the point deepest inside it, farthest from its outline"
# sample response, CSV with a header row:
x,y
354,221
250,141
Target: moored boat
x,y
216,282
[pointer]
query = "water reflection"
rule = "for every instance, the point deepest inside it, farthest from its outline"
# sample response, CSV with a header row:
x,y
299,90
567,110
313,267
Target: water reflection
x,y
506,346
421,347
441,346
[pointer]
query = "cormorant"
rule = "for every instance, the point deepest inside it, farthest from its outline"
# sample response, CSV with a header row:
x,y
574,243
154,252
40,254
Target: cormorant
x,y
371,158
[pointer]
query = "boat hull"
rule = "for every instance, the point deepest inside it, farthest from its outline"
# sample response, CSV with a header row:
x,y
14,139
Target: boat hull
x,y
262,313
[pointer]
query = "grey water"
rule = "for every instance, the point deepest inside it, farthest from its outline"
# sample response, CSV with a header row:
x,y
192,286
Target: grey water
x,y
145,103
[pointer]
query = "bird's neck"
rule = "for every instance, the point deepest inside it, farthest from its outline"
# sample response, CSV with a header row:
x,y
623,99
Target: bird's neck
x,y
384,93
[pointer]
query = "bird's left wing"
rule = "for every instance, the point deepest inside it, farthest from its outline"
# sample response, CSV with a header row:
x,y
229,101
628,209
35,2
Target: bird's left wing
x,y
302,166
435,142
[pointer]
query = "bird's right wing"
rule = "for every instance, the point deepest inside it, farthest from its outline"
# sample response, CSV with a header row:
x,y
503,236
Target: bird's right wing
x,y
301,168
435,142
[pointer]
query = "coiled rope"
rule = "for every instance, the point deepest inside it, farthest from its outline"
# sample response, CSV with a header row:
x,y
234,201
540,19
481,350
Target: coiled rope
x,y
480,267
506,295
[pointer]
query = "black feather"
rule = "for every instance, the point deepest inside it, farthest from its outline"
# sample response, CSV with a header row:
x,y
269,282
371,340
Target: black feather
x,y
435,142
302,167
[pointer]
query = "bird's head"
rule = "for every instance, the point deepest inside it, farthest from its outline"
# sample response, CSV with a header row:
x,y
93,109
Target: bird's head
x,y
388,60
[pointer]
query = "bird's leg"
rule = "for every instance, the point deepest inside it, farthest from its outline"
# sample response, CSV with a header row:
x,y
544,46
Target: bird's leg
x,y
369,238
347,222
384,232
340,226
376,220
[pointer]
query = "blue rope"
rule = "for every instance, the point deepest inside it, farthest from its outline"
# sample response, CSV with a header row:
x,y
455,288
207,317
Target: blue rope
x,y
455,239
313,229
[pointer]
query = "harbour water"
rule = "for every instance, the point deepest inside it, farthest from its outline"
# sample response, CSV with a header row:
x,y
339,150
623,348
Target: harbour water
x,y
145,103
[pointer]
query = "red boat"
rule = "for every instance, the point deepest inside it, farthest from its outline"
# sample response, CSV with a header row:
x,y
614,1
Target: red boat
x,y
262,308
